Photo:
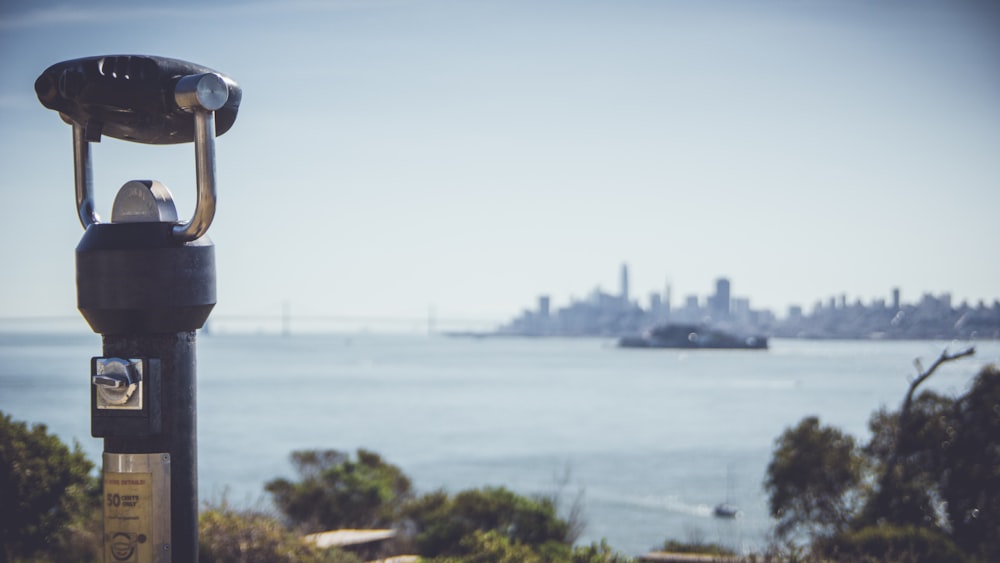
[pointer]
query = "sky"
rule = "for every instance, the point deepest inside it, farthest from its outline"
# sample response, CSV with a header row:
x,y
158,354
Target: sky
x,y
394,158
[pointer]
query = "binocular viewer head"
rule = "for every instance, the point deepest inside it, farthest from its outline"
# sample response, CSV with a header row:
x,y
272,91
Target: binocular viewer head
x,y
138,98
143,99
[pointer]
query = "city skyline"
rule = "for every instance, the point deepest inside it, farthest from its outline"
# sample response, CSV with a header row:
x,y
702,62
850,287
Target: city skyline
x,y
668,297
895,297
932,316
392,157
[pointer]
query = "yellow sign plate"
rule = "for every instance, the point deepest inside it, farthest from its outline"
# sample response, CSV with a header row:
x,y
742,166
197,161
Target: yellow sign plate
x,y
128,517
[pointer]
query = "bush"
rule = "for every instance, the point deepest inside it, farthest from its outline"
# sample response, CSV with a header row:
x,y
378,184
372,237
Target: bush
x,y
247,536
813,470
971,479
673,546
925,488
443,525
494,547
48,497
597,553
338,492
901,544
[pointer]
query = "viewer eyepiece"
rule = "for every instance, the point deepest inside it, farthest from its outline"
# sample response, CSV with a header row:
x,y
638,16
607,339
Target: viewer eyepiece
x,y
138,98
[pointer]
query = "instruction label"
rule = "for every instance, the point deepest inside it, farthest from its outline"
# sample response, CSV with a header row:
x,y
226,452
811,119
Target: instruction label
x,y
128,517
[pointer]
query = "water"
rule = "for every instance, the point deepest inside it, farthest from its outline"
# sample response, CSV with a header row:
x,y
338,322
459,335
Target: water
x,y
650,440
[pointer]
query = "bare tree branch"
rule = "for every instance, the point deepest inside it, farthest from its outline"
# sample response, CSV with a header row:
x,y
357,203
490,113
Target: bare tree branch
x,y
921,377
904,416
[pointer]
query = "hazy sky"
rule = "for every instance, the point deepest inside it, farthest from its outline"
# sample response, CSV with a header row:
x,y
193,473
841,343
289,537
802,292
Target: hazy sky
x,y
394,156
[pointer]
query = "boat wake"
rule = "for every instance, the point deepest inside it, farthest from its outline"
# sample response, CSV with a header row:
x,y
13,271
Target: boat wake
x,y
670,503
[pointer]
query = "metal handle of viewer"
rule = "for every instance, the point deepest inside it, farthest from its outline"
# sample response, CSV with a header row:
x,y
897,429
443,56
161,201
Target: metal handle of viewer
x,y
199,95
84,177
204,161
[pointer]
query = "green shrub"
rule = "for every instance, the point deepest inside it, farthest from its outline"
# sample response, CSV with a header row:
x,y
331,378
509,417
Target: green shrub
x,y
674,546
441,523
48,497
227,534
900,544
597,553
494,547
336,491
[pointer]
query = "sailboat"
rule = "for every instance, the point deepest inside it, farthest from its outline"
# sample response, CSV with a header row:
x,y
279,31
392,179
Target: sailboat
x,y
727,509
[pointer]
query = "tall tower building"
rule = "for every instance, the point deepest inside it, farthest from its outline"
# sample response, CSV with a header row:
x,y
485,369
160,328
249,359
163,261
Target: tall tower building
x,y
895,298
624,285
543,306
666,299
720,303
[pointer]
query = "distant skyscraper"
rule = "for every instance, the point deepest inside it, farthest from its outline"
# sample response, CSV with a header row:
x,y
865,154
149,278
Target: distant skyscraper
x,y
624,288
543,306
895,298
666,299
720,302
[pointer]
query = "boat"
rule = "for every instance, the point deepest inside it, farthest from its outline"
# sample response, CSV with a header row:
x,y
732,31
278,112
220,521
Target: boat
x,y
690,336
725,510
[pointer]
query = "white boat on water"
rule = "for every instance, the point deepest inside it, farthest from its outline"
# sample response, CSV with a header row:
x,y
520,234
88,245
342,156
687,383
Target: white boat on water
x,y
727,509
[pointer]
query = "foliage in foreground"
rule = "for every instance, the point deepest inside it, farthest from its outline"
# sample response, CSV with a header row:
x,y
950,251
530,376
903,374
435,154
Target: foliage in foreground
x,y
227,534
48,497
890,543
336,491
494,547
488,524
925,488
701,548
443,525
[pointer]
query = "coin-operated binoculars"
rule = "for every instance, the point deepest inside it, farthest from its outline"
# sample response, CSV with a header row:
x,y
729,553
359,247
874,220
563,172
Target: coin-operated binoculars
x,y
145,282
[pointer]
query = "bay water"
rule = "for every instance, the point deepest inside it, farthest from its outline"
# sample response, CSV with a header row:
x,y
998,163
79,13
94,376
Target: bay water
x,y
648,441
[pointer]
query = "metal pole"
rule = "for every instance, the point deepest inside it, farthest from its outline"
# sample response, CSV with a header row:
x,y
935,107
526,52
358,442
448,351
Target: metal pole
x,y
179,437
